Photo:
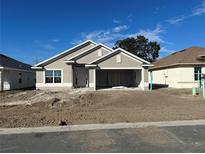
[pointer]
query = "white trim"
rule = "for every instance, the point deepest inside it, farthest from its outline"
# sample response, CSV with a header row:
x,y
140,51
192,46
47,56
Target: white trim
x,y
16,69
133,55
142,79
146,85
94,79
106,47
65,51
120,68
101,57
132,58
69,61
55,69
89,65
91,85
176,65
36,68
136,58
148,65
42,85
99,45
194,82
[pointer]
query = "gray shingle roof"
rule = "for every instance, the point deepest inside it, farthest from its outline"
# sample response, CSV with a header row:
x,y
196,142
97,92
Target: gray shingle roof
x,y
9,62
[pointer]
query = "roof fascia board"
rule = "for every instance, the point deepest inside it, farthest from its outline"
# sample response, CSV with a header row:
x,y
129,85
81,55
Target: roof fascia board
x,y
133,55
36,68
176,64
136,58
100,58
90,65
106,47
81,53
147,65
65,52
69,61
99,45
15,69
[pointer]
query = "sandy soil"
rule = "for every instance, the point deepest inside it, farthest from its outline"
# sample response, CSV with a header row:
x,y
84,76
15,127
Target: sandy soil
x,y
42,108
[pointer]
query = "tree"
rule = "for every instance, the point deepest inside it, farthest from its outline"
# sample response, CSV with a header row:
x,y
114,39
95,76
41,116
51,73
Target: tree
x,y
140,46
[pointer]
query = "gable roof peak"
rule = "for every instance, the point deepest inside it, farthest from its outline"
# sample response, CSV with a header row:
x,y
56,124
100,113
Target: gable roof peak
x,y
66,51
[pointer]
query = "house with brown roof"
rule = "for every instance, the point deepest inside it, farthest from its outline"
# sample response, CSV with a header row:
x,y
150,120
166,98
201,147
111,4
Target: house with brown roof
x,y
180,69
15,74
93,66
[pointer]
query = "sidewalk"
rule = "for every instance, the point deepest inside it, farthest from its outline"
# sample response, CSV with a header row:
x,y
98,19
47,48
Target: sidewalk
x,y
100,126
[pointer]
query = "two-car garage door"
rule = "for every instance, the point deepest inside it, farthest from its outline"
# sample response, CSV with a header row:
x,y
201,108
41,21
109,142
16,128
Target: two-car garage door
x,y
113,78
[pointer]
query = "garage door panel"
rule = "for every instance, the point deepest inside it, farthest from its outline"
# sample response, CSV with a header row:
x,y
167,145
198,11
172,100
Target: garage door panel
x,y
101,78
111,78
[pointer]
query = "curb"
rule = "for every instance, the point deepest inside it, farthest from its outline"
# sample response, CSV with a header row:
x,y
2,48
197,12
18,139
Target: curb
x,y
86,127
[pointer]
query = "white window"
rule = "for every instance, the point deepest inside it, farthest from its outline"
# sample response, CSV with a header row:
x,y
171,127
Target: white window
x,y
119,59
99,53
197,73
53,76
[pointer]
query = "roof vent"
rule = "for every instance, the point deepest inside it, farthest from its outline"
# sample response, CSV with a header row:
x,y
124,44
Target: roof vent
x,y
201,57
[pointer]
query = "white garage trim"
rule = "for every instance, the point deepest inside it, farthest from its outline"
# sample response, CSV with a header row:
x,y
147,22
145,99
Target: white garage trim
x,y
121,68
94,78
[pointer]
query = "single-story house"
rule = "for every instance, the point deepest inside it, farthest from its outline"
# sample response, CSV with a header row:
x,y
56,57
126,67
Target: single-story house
x,y
15,74
94,66
180,69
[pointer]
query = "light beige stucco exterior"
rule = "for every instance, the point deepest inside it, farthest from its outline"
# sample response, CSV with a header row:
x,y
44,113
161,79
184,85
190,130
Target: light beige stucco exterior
x,y
126,62
68,66
92,56
91,77
59,64
179,77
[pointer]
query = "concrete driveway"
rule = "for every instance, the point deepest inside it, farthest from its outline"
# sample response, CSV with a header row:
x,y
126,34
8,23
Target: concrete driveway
x,y
149,139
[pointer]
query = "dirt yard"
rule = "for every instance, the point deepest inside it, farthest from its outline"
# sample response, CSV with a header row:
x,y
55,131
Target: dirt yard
x,y
42,108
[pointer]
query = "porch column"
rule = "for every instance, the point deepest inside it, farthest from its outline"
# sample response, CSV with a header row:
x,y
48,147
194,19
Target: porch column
x,y
72,75
142,77
94,79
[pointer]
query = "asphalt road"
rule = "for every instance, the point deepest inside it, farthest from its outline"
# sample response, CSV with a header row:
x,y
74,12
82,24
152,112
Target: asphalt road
x,y
150,139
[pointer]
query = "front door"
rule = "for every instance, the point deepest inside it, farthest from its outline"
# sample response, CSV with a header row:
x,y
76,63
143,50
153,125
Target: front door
x,y
80,76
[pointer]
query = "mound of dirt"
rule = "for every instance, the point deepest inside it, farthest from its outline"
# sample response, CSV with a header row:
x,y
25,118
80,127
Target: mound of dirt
x,y
99,107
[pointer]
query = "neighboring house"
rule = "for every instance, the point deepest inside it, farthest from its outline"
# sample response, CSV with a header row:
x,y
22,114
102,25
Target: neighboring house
x,y
94,66
15,74
180,69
